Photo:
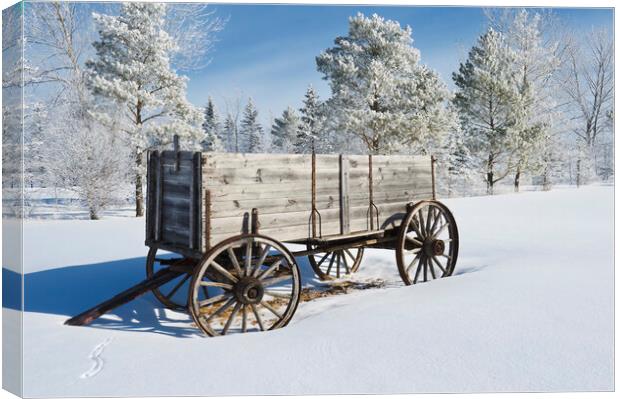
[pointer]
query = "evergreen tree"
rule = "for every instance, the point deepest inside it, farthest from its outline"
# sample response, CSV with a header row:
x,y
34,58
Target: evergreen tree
x,y
311,128
380,92
484,99
212,131
251,131
284,131
132,69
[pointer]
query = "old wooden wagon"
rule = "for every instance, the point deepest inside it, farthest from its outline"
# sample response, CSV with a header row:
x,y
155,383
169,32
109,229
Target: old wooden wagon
x,y
219,227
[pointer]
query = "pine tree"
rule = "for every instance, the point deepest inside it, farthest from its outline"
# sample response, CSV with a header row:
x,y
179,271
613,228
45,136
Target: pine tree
x,y
212,131
251,131
311,129
484,99
284,131
132,69
380,92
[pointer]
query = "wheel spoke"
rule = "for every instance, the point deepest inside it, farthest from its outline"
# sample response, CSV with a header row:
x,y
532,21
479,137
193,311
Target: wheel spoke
x,y
214,284
446,256
412,263
215,299
223,271
271,309
351,255
323,259
421,217
417,271
261,260
434,259
415,241
244,319
276,280
276,294
415,225
179,285
441,228
248,256
235,262
231,318
432,269
337,265
221,309
331,262
425,270
257,316
346,264
270,270
434,226
428,219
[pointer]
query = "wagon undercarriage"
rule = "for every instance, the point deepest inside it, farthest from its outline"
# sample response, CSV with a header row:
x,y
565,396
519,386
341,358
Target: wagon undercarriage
x,y
250,281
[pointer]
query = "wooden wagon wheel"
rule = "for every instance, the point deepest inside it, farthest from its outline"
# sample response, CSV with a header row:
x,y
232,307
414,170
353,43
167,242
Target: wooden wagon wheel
x,y
331,265
252,284
428,243
173,294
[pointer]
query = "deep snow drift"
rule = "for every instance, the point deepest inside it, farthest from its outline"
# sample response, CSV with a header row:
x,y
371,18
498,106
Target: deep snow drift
x,y
530,308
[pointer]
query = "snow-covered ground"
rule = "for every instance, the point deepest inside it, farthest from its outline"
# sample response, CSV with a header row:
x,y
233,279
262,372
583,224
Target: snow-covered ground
x,y
530,308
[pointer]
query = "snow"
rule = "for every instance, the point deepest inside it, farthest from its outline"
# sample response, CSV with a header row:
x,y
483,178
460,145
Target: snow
x,y
530,308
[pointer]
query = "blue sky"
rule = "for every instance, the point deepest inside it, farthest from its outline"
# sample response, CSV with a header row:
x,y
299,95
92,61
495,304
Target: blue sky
x,y
268,51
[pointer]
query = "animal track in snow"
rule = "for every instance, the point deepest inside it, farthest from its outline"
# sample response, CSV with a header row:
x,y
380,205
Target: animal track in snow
x,y
95,356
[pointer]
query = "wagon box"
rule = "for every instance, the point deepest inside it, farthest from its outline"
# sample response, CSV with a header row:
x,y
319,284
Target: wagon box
x,y
196,200
227,220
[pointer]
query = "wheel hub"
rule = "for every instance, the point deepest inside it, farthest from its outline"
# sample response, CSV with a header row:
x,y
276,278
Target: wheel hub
x,y
434,247
249,290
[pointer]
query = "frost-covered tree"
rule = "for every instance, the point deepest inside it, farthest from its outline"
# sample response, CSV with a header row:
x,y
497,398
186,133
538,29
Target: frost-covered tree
x,y
311,128
212,140
284,131
132,69
587,85
380,91
66,146
484,99
86,158
456,167
251,131
534,65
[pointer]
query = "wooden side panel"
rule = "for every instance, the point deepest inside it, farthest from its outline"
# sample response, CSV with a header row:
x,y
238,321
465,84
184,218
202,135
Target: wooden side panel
x,y
278,185
328,193
398,180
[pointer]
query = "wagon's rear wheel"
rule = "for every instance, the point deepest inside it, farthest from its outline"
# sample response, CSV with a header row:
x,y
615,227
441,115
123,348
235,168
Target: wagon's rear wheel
x,y
428,243
252,284
336,264
173,294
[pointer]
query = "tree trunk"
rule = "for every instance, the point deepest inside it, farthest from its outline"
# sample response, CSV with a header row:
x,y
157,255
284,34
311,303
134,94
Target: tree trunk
x,y
93,214
546,180
139,193
517,177
490,175
578,173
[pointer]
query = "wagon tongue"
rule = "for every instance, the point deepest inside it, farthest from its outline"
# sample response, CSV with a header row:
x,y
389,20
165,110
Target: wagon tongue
x,y
156,280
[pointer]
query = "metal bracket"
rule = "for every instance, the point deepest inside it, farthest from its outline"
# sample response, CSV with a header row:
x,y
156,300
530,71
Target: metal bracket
x,y
177,152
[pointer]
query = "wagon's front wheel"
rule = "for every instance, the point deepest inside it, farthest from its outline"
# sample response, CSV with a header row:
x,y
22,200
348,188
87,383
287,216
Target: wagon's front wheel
x,y
173,294
336,264
428,243
252,283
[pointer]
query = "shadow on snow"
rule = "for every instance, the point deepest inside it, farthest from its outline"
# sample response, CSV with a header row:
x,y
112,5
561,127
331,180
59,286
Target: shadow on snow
x,y
68,291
